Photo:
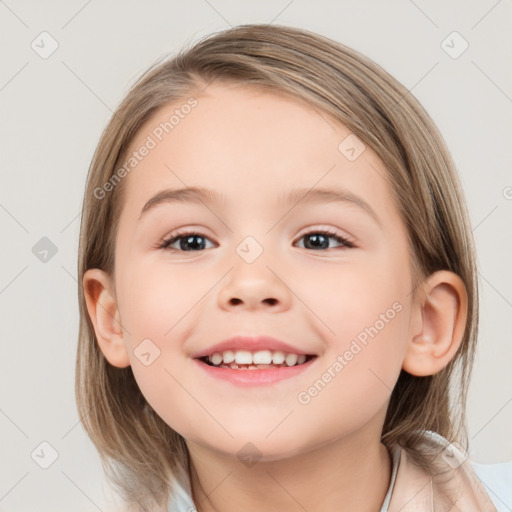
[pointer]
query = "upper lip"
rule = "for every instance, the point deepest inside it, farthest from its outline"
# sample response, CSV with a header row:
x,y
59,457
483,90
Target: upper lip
x,y
252,344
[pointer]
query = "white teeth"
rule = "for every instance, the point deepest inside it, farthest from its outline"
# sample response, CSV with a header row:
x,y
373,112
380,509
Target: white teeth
x,y
243,357
291,359
261,357
228,356
278,357
216,358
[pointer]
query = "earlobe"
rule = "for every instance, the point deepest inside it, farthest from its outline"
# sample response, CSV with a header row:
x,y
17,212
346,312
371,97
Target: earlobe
x,y
104,315
443,313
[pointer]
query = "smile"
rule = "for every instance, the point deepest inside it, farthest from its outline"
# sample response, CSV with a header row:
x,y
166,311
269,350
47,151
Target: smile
x,y
257,360
249,372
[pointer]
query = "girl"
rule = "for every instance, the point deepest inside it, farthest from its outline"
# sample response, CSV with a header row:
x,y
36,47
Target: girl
x,y
227,359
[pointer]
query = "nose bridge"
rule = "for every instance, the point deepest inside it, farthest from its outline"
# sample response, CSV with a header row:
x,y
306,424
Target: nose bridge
x,y
250,249
252,257
255,232
253,279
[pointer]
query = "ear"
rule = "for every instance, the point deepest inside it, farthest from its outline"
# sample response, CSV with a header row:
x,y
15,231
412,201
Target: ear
x,y
440,315
104,315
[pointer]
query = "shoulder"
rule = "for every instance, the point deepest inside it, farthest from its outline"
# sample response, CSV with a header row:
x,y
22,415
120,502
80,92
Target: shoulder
x,y
454,479
497,480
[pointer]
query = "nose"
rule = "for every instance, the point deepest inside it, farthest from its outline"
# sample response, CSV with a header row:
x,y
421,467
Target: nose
x,y
235,300
255,286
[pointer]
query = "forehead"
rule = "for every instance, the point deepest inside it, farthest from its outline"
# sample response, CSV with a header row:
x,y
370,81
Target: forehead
x,y
249,144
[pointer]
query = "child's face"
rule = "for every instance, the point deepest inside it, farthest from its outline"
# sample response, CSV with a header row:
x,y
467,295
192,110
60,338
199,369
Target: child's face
x,y
254,148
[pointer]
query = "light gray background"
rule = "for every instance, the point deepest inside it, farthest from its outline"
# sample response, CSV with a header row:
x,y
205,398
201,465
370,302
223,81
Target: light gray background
x,y
53,111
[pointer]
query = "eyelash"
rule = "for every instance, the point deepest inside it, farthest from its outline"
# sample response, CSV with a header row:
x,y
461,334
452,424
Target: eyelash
x,y
326,232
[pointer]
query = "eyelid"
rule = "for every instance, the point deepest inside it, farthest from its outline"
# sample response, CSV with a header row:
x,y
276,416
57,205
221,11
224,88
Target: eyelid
x,y
181,233
332,230
346,240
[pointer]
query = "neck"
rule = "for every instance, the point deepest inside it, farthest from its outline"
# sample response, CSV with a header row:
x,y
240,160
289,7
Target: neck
x,y
351,473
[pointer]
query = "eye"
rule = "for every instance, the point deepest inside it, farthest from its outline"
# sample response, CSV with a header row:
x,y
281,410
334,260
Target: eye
x,y
190,241
319,239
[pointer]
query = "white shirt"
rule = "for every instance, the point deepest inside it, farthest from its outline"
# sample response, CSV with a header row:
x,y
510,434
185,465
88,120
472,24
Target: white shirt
x,y
495,478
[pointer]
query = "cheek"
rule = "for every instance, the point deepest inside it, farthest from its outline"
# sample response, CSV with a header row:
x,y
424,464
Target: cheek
x,y
364,313
358,373
155,298
354,301
155,303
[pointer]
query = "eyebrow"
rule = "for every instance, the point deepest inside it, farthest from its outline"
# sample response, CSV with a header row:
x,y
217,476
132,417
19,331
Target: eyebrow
x,y
199,195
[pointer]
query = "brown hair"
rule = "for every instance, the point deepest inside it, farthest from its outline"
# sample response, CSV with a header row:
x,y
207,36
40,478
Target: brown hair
x,y
139,451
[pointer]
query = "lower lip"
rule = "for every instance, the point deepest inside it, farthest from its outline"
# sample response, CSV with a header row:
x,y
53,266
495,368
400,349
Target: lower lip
x,y
254,377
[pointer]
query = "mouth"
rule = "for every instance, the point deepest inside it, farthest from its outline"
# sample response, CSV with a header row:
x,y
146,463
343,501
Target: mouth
x,y
259,360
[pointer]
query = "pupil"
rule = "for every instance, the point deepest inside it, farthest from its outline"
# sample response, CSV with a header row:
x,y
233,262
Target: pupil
x,y
315,237
187,240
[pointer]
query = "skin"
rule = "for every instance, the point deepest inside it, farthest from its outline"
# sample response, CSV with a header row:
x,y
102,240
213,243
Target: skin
x,y
253,146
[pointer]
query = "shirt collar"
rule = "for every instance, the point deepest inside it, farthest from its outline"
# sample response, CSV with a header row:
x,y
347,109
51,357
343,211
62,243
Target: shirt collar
x,y
452,485
449,484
